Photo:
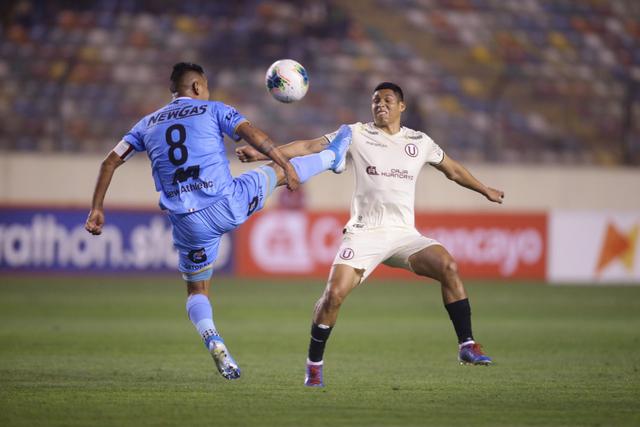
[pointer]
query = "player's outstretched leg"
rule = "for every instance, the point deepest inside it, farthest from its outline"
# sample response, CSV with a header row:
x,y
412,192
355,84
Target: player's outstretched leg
x,y
332,158
201,315
435,262
339,145
342,280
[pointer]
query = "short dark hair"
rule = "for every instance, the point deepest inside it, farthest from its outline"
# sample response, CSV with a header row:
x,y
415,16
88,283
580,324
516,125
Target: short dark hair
x,y
179,70
394,87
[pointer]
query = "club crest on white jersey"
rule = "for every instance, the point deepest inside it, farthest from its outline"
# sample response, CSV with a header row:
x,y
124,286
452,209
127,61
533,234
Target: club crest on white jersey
x,y
386,167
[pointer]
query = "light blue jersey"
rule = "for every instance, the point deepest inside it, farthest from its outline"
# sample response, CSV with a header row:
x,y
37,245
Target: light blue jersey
x,y
185,143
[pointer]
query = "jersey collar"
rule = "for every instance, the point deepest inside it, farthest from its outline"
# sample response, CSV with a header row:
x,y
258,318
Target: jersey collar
x,y
401,132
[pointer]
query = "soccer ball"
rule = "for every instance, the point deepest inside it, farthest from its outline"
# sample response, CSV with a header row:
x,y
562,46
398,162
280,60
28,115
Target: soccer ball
x,y
287,80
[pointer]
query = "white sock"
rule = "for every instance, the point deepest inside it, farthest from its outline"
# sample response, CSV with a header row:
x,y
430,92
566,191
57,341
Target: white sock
x,y
466,343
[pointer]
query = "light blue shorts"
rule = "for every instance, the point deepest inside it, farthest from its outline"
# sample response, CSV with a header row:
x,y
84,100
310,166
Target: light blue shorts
x,y
197,235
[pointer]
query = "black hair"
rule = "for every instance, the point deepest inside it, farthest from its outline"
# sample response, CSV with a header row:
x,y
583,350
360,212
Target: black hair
x,y
394,87
179,70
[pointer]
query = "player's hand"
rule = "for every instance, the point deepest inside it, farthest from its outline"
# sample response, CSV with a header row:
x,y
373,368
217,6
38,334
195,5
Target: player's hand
x,y
95,221
494,195
293,181
248,154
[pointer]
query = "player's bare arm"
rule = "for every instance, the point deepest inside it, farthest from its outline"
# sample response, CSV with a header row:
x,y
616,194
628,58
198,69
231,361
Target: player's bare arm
x,y
261,142
248,154
95,221
459,174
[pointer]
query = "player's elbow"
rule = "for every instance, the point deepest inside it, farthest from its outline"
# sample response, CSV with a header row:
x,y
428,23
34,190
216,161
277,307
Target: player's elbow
x,y
111,162
253,135
452,174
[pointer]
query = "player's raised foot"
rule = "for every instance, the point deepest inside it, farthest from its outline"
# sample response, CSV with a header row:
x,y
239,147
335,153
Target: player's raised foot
x,y
227,367
339,146
472,354
313,376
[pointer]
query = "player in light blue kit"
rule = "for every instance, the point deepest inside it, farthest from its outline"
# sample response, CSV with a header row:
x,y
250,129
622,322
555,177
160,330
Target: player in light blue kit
x,y
184,141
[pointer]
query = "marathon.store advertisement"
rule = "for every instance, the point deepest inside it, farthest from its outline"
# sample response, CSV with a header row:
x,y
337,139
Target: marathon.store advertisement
x,y
562,246
54,240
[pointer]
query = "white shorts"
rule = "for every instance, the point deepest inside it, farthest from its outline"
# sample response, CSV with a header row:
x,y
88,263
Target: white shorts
x,y
392,246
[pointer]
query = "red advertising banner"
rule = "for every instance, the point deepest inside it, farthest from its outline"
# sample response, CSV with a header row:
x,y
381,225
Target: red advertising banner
x,y
299,243
492,246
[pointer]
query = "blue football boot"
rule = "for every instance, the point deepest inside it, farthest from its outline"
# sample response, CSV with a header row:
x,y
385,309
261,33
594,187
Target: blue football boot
x,y
339,146
472,354
313,376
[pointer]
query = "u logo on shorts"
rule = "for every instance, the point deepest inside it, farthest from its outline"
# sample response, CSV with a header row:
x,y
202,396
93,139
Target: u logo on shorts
x,y
346,254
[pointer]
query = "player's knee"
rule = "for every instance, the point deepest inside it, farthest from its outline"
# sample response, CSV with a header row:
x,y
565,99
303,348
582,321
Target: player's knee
x,y
194,288
449,267
198,282
333,298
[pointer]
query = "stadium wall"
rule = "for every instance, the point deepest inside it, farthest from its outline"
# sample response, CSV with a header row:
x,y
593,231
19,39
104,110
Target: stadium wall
x,y
562,237
69,179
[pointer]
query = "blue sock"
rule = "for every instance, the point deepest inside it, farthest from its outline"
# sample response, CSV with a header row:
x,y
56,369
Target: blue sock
x,y
312,164
201,315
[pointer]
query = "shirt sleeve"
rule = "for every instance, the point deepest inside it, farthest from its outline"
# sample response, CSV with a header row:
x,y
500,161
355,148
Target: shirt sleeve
x,y
229,119
435,154
124,150
135,136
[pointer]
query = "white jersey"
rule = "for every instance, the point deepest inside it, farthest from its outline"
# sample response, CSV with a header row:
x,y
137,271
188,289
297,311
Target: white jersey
x,y
386,169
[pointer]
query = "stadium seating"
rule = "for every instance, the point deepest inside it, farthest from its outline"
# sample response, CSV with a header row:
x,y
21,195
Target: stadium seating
x,y
501,81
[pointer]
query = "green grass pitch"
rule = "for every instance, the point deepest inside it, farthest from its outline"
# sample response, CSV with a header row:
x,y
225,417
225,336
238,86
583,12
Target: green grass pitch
x,y
121,352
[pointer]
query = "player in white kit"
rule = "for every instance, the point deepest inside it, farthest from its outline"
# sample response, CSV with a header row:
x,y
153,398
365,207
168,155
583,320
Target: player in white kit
x,y
387,159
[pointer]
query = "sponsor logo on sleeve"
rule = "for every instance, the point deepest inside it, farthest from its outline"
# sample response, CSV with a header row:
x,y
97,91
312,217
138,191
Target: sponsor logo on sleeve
x,y
253,204
231,114
438,154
